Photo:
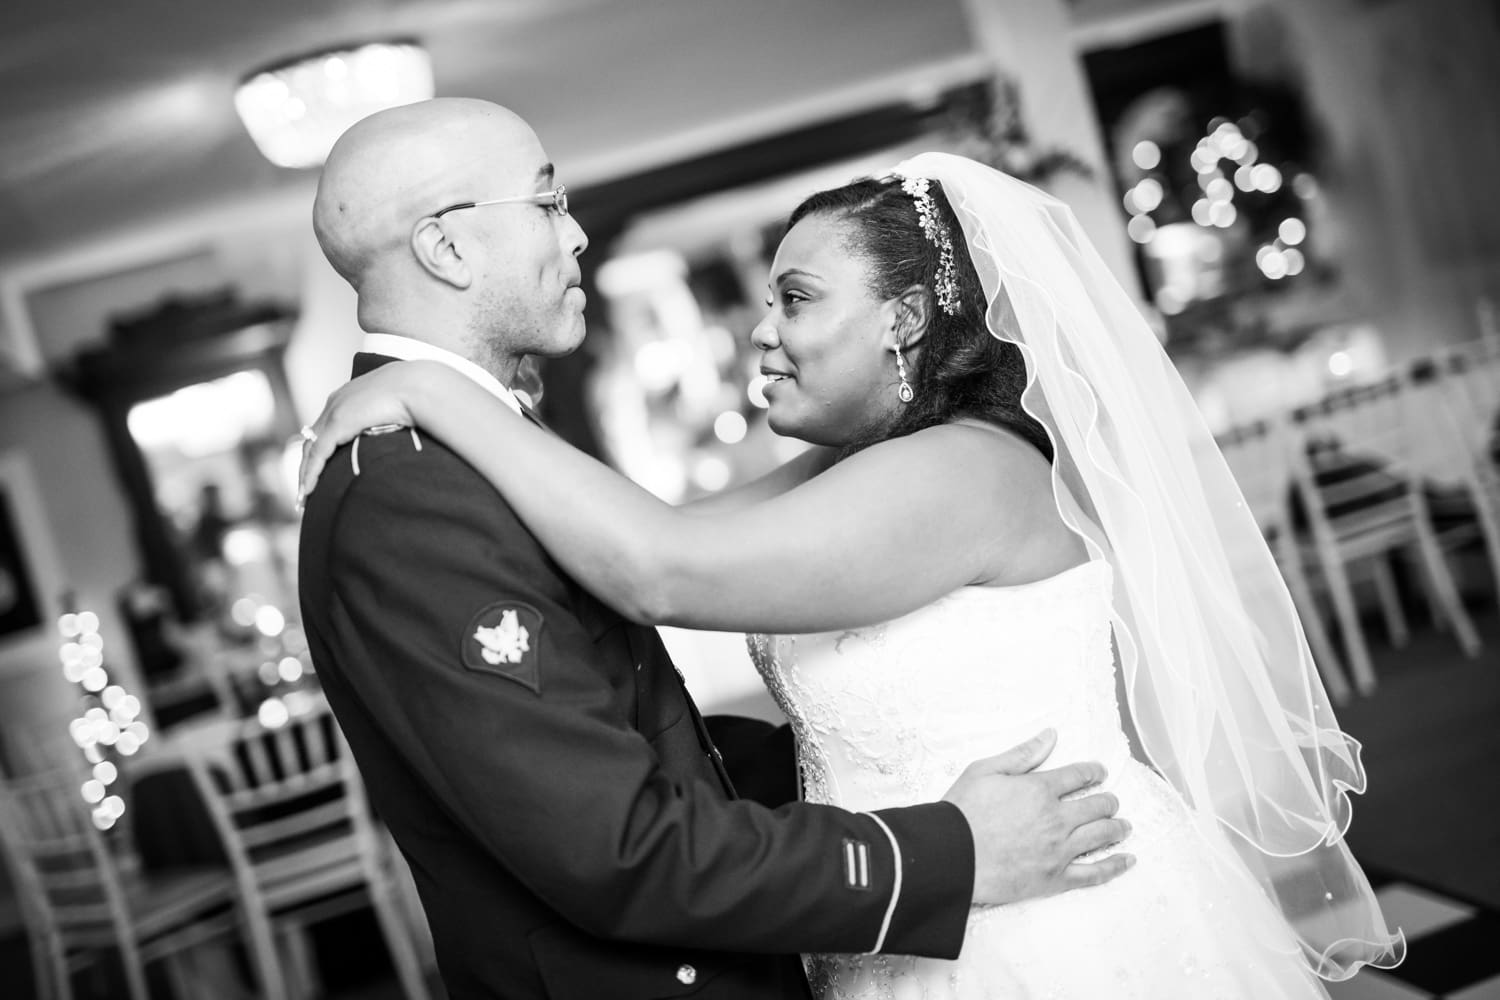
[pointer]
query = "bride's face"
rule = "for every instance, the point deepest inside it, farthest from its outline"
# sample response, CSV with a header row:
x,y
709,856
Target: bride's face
x,y
824,342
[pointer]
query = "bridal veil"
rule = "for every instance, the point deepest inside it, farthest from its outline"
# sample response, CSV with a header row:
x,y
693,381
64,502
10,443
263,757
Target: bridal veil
x,y
1220,683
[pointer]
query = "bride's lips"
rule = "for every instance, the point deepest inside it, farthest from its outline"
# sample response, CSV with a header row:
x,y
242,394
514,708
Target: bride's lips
x,y
770,380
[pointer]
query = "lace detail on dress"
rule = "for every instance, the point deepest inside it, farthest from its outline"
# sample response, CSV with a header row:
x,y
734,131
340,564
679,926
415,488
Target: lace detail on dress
x,y
765,651
873,708
889,715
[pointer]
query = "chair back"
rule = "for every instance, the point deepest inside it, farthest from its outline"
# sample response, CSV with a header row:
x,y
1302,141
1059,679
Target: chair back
x,y
1470,377
69,880
1352,459
289,806
1258,456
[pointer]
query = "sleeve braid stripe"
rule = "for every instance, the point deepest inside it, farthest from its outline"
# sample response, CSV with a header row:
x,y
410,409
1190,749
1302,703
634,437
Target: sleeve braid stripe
x,y
890,910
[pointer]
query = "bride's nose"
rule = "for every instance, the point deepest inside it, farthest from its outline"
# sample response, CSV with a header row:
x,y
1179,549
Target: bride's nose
x,y
764,336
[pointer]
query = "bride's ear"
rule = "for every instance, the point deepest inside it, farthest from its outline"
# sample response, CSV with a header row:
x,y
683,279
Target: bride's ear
x,y
439,254
911,311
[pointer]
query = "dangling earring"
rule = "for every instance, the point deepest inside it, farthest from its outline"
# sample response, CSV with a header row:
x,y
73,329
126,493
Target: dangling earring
x,y
904,391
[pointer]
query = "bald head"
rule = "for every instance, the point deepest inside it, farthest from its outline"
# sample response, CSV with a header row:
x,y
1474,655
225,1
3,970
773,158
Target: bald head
x,y
398,165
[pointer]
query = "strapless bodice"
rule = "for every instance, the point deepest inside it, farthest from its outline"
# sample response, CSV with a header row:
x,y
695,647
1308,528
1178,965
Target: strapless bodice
x,y
891,714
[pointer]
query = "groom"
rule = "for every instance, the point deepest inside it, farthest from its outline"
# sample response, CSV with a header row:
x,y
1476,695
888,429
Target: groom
x,y
570,826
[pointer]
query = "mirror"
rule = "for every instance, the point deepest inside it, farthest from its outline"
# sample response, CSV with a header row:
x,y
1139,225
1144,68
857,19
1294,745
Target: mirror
x,y
224,480
196,407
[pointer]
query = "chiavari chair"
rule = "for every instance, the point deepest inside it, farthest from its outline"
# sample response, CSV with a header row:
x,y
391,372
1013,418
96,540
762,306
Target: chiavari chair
x,y
291,809
1257,456
81,896
1458,392
1352,463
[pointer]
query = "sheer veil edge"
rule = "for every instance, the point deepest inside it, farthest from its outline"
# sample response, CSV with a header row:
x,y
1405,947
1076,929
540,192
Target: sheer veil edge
x,y
1220,682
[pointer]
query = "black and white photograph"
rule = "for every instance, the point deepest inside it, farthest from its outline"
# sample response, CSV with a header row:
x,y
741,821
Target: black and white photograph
x,y
750,500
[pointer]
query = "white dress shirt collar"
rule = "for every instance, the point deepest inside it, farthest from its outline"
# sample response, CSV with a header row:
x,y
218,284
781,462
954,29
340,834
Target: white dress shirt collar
x,y
408,349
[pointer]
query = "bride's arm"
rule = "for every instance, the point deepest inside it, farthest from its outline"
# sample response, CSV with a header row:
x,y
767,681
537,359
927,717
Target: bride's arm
x,y
879,534
788,475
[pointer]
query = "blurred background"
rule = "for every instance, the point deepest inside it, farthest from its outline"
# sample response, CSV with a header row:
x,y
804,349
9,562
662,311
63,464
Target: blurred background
x,y
1299,193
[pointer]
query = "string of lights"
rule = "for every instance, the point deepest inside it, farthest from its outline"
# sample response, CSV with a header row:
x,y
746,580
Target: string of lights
x,y
110,725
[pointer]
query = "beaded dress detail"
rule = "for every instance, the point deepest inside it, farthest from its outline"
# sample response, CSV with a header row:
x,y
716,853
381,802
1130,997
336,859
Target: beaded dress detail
x,y
891,714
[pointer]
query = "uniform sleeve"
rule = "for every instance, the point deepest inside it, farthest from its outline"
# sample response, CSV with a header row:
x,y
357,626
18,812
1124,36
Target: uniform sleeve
x,y
532,752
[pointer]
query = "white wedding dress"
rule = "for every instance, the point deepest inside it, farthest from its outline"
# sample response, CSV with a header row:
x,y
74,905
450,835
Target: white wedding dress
x,y
891,714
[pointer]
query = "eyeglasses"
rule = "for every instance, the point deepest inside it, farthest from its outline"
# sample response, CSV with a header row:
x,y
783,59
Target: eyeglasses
x,y
556,199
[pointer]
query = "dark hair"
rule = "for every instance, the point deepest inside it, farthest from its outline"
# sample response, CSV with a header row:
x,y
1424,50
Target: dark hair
x,y
961,370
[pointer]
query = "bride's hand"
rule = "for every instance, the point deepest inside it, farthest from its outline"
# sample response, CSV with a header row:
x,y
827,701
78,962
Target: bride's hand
x,y
384,398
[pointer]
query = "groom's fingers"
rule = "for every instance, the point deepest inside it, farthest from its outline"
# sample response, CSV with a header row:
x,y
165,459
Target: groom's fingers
x,y
1020,759
1074,777
1089,809
1096,836
1081,874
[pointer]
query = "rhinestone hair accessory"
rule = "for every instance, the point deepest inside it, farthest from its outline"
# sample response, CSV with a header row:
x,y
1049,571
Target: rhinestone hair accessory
x,y
937,234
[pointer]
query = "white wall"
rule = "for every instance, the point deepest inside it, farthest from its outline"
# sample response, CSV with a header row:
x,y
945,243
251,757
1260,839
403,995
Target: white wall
x,y
1408,92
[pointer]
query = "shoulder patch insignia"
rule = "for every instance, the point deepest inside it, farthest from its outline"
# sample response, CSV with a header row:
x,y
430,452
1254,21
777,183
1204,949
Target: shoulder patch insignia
x,y
505,639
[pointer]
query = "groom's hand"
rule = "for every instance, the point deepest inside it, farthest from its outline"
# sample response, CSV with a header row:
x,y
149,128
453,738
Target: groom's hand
x,y
1027,838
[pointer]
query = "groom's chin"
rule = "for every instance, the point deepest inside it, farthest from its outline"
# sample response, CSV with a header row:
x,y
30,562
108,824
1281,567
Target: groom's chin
x,y
566,343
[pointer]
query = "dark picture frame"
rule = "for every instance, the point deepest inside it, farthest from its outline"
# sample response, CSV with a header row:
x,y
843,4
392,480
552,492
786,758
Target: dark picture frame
x,y
30,577
19,609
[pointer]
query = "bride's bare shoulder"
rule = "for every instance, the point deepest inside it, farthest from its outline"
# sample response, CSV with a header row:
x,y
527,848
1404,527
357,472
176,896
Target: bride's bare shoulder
x,y
999,451
967,464
1003,479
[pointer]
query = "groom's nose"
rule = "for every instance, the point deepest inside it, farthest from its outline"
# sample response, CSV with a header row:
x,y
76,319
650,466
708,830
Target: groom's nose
x,y
575,240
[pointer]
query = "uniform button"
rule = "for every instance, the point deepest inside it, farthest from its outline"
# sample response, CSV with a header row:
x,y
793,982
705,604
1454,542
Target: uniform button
x,y
687,975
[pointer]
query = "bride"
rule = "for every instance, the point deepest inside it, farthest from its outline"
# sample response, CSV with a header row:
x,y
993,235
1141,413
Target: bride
x,y
1016,494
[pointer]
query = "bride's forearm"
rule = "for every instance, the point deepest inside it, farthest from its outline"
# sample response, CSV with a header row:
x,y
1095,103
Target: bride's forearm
x,y
787,476
601,528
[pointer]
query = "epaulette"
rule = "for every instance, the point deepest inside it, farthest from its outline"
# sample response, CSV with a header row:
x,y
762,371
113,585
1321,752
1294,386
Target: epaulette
x,y
375,431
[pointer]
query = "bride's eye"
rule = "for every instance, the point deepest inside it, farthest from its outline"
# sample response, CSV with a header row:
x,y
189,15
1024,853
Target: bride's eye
x,y
790,298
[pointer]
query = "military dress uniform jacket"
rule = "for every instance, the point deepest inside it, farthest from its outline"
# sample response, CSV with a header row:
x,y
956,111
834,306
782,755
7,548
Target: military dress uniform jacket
x,y
543,770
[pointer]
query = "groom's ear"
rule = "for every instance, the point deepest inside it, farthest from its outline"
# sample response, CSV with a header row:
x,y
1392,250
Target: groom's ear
x,y
438,254
911,312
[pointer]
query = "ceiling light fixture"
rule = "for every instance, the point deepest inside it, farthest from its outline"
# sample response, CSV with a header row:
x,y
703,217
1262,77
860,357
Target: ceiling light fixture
x,y
295,110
